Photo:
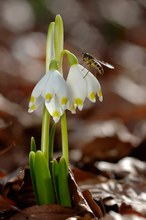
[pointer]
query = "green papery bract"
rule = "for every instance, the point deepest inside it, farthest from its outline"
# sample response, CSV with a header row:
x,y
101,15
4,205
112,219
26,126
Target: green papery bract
x,y
72,59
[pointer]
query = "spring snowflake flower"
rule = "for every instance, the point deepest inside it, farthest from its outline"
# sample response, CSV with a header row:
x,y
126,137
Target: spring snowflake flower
x,y
82,84
51,90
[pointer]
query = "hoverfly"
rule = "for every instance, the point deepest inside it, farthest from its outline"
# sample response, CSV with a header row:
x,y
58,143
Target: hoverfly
x,y
96,64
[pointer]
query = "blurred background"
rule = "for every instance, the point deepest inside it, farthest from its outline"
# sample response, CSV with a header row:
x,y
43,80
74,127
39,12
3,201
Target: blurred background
x,y
110,30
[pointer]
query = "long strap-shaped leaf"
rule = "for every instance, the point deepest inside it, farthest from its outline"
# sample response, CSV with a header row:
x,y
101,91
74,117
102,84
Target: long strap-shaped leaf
x,y
64,192
31,164
43,180
55,171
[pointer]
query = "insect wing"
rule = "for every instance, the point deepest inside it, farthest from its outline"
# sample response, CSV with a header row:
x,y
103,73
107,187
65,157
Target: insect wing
x,y
105,64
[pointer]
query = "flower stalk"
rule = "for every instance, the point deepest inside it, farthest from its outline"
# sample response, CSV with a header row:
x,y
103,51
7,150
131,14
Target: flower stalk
x,y
45,134
65,152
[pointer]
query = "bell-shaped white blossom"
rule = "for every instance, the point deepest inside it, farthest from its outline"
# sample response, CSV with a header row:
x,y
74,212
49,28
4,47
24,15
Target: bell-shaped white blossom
x,y
51,90
82,83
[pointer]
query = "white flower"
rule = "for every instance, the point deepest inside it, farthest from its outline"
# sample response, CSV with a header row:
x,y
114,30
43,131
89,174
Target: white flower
x,y
82,84
51,90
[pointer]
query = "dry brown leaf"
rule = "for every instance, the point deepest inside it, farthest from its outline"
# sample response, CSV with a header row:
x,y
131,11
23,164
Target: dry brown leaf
x,y
126,185
45,212
6,204
78,198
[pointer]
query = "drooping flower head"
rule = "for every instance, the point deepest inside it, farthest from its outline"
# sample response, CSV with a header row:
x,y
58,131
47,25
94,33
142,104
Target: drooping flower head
x,y
52,91
81,83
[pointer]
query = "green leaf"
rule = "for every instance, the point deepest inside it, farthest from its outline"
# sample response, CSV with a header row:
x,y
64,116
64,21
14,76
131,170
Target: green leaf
x,y
43,180
33,145
58,36
32,172
55,171
64,192
49,45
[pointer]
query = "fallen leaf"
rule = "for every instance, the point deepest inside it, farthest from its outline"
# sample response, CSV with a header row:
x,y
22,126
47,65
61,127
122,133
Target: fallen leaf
x,y
45,212
6,204
126,185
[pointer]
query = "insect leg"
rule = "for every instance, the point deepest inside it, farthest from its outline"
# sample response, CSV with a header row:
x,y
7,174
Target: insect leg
x,y
87,71
86,74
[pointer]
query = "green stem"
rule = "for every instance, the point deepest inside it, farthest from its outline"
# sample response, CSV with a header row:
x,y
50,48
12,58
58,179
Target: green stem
x,y
64,138
45,134
51,142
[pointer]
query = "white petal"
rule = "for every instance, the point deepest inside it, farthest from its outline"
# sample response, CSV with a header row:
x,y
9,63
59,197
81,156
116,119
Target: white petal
x,y
60,88
83,71
40,85
77,85
34,105
36,99
56,86
54,109
93,87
